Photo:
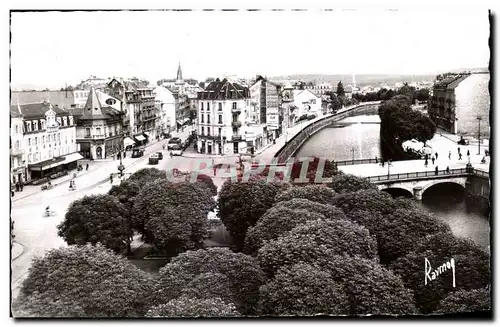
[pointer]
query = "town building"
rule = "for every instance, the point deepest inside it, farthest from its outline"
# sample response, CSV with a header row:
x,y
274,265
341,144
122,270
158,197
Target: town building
x,y
165,103
266,106
49,140
323,88
221,118
306,102
99,129
289,109
67,99
17,161
140,112
460,104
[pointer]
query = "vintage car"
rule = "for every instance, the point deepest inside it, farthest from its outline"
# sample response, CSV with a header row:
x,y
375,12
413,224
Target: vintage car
x,y
153,160
160,155
136,153
174,141
176,150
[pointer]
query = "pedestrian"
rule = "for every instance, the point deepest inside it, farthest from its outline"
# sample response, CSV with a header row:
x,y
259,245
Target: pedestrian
x,y
376,159
21,185
458,150
87,167
447,169
18,186
436,156
468,153
71,185
426,163
124,154
382,163
459,156
432,159
426,156
111,178
449,155
436,170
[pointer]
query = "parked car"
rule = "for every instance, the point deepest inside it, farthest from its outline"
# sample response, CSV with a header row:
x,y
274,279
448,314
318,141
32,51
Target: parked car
x,y
153,160
176,150
160,155
174,141
136,153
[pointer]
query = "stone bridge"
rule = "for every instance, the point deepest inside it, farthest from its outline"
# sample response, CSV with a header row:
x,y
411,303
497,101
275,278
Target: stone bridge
x,y
294,144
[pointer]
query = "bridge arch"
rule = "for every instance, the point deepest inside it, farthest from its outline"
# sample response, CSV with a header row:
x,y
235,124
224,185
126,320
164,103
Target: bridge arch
x,y
444,187
396,192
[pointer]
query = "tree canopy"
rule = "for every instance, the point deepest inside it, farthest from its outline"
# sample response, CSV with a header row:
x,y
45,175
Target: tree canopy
x,y
340,89
193,307
97,219
91,281
243,272
303,290
241,205
345,183
145,176
466,301
316,193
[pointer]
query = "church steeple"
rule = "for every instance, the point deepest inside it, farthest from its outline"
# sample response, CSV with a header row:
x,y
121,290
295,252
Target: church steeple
x,y
93,105
179,79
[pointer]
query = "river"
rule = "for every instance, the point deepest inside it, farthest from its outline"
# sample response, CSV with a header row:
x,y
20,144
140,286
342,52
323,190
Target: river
x,y
359,137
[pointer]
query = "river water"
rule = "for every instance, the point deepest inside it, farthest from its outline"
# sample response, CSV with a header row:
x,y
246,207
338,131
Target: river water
x,y
359,137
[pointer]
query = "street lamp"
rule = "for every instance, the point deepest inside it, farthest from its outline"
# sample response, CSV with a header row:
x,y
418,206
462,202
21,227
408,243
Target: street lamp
x,y
121,167
352,150
479,135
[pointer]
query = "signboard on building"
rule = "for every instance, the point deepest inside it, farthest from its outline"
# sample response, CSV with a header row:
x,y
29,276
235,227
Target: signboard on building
x,y
272,114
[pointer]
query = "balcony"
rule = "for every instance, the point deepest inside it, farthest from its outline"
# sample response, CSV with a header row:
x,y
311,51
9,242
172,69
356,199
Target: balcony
x,y
236,124
16,152
96,136
237,137
236,111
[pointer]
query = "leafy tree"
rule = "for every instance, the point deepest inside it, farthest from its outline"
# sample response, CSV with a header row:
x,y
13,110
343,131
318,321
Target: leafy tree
x,y
97,219
401,230
328,211
209,285
466,301
472,272
47,305
126,193
340,89
274,223
422,95
314,240
207,182
316,193
345,183
191,201
243,272
145,176
303,290
368,200
371,288
241,204
193,307
90,280
329,170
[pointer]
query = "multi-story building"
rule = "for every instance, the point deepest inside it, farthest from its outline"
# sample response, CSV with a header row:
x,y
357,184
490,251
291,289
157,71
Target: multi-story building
x,y
140,112
17,160
266,106
221,118
306,102
99,129
460,104
49,139
67,99
322,88
165,103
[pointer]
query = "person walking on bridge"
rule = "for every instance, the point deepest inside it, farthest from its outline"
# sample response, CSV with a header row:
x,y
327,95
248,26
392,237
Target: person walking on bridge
x,y
468,153
447,169
436,156
426,163
449,155
459,156
436,170
433,159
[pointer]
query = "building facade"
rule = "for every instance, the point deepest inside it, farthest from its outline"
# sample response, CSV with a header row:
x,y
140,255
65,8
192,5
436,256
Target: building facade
x,y
49,140
266,106
221,118
99,129
306,103
17,155
458,101
165,103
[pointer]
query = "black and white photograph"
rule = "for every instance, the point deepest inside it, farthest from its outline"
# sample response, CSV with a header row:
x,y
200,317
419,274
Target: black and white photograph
x,y
251,163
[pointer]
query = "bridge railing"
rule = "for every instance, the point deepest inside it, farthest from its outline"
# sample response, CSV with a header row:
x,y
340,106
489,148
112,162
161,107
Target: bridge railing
x,y
395,177
356,162
481,173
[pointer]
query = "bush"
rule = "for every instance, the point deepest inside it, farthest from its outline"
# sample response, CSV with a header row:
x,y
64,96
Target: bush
x,y
241,205
146,176
367,200
466,301
303,290
193,307
90,281
329,211
243,272
316,193
209,285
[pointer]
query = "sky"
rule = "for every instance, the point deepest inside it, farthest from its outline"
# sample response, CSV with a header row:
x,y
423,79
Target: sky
x,y
49,49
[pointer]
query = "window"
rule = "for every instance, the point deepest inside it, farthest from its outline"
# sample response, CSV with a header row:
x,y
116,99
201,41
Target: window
x,y
220,106
202,130
202,121
29,157
42,123
17,144
58,121
35,125
43,139
17,129
208,131
28,126
29,141
201,106
234,105
59,137
220,131
36,140
208,105
71,120
65,121
87,132
220,119
208,118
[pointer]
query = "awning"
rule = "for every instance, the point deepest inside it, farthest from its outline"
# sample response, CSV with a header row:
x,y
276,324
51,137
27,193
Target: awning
x,y
72,157
140,138
182,121
147,134
128,141
47,164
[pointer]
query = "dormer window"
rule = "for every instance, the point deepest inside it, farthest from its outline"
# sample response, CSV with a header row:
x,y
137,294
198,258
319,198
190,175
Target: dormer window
x,y
59,121
71,120
35,125
28,126
42,124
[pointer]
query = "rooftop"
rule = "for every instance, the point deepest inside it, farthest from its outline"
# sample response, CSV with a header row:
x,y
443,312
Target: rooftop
x,y
37,110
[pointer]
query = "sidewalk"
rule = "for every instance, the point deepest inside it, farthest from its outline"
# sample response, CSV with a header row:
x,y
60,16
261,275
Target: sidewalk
x,y
16,250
